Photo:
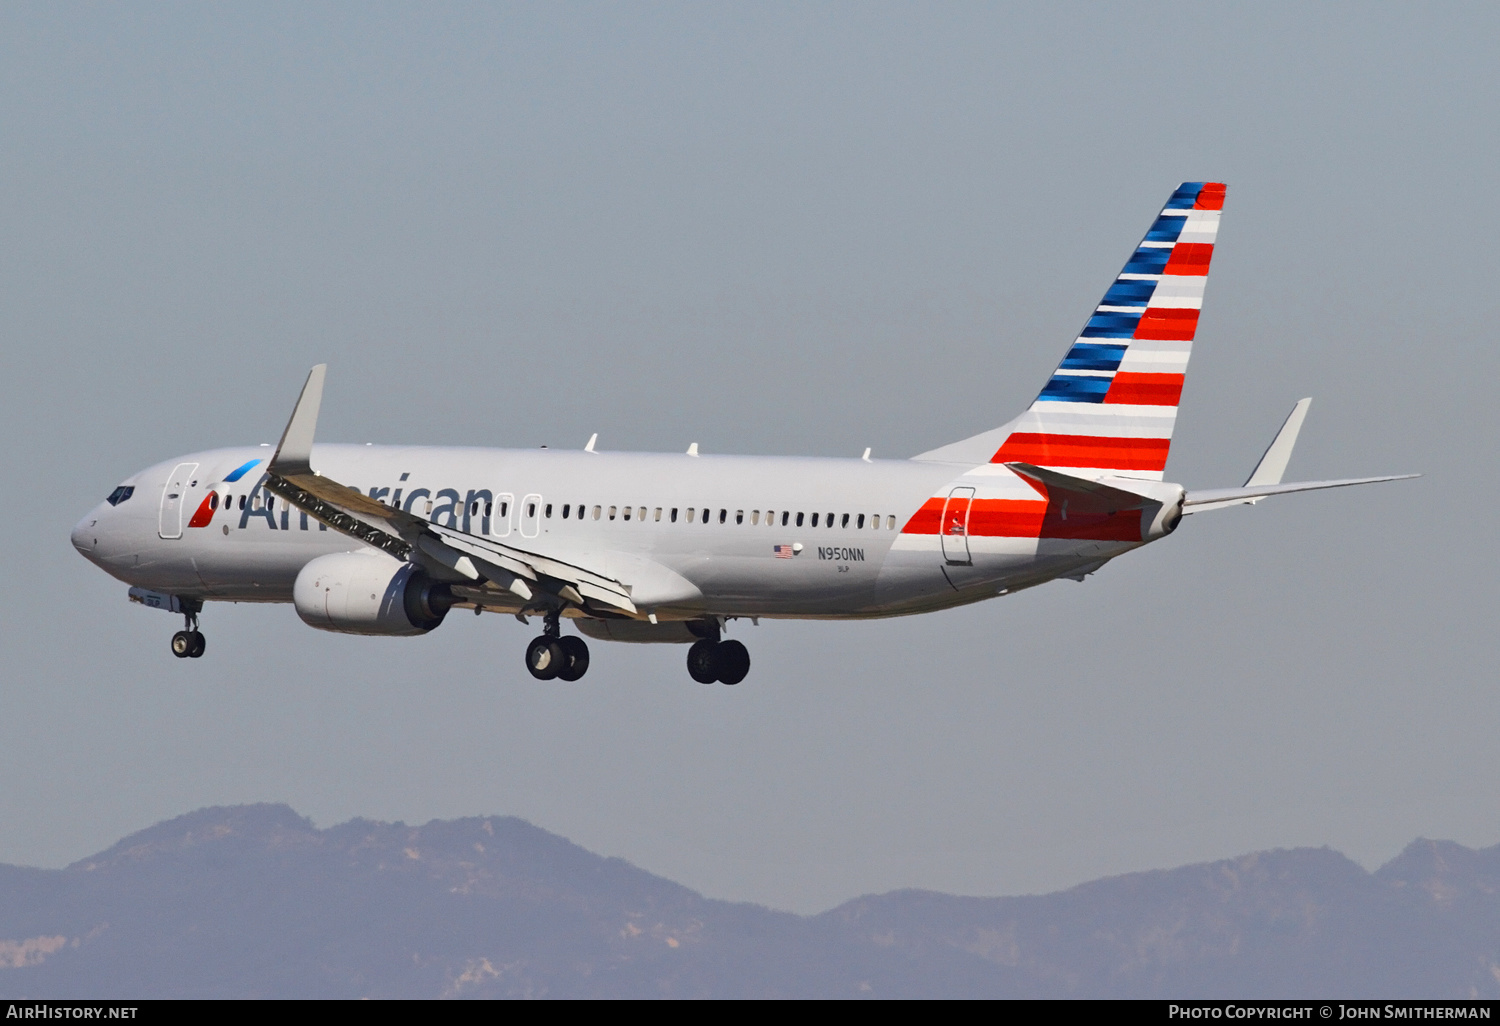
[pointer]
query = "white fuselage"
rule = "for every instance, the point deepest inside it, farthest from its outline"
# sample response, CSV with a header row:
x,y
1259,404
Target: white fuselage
x,y
692,535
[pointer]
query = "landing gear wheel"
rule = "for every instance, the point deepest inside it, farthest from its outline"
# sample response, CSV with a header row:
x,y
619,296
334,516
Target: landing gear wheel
x,y
545,657
182,644
733,661
703,661
575,662
196,645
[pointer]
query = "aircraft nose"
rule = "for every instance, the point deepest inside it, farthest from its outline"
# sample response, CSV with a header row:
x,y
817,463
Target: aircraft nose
x,y
85,535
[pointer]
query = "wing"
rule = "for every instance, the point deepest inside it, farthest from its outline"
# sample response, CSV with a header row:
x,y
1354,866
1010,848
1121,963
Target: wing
x,y
530,576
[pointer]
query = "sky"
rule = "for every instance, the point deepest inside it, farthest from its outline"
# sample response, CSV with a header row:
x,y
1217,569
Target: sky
x,y
768,228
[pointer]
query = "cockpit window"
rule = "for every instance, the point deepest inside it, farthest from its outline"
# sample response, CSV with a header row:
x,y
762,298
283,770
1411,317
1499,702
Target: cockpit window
x,y
120,494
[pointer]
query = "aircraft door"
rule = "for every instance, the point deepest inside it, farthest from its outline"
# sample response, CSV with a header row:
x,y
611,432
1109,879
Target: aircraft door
x,y
505,512
173,498
955,528
531,516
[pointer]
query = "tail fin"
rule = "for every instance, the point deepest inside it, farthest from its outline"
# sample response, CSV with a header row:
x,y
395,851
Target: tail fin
x,y
1110,406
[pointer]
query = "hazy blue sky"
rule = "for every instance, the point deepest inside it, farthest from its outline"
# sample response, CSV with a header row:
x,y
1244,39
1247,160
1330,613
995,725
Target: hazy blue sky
x,y
787,229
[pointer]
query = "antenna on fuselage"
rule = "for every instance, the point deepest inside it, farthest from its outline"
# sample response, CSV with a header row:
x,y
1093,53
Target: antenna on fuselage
x,y
592,439
866,456
693,449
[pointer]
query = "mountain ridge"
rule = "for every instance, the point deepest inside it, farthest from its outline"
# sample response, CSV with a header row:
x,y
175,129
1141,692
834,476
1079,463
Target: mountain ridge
x,y
255,901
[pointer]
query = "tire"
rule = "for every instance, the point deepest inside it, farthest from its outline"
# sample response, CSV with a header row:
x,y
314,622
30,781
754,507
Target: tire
x,y
182,644
544,657
575,662
734,662
703,661
198,645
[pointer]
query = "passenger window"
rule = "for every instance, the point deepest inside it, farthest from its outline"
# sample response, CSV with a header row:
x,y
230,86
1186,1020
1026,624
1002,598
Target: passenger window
x,y
860,523
242,502
690,513
613,510
890,523
674,514
270,502
627,512
596,512
640,514
500,525
530,509
799,519
723,515
489,509
844,520
548,511
739,516
658,514
213,500
784,516
566,507
754,517
815,520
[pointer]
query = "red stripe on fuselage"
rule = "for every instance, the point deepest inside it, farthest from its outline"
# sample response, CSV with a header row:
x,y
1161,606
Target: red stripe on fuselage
x,y
205,511
1145,389
1026,518
1046,450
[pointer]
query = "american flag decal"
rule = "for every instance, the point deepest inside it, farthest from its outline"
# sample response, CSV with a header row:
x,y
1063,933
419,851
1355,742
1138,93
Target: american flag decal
x,y
783,551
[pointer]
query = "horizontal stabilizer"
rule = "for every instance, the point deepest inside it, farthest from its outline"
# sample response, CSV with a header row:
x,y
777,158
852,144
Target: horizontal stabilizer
x,y
1204,499
1095,492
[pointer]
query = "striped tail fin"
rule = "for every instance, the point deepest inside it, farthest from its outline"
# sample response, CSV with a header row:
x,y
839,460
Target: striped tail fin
x,y
1110,406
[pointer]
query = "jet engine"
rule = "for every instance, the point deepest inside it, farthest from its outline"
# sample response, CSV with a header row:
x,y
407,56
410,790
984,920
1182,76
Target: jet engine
x,y
369,593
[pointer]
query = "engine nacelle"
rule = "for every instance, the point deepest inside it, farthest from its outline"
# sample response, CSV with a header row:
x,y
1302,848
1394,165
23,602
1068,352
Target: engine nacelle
x,y
369,593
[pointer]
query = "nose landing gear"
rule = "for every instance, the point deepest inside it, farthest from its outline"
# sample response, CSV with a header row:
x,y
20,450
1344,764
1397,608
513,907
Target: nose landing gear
x,y
189,642
554,656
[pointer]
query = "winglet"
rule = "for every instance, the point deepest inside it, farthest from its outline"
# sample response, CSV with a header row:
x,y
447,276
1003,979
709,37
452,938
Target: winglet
x,y
294,452
1273,464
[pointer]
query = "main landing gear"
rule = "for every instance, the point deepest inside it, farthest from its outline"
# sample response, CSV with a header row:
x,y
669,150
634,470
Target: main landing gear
x,y
712,660
189,643
554,655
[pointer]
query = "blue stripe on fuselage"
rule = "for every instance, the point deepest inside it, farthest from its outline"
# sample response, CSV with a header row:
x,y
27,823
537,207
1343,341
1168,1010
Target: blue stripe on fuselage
x,y
239,472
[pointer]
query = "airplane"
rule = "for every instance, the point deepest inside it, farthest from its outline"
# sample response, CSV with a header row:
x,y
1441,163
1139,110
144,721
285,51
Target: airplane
x,y
672,547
